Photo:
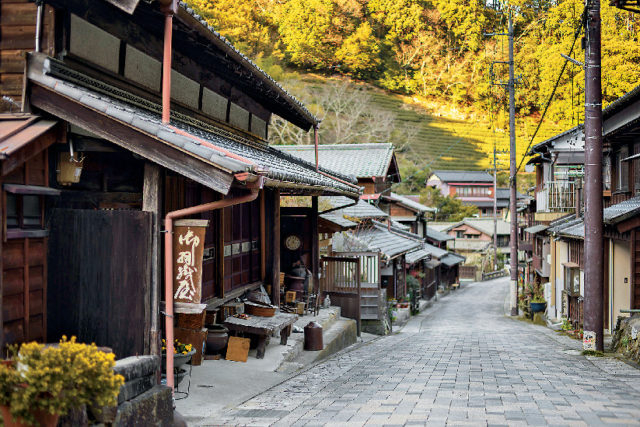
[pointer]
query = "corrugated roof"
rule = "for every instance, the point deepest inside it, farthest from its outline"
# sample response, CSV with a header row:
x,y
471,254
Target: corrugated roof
x,y
621,211
379,238
411,204
358,160
361,210
438,236
463,176
145,117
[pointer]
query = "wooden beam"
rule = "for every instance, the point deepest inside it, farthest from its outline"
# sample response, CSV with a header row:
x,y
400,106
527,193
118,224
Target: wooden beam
x,y
131,139
275,254
151,202
263,243
315,244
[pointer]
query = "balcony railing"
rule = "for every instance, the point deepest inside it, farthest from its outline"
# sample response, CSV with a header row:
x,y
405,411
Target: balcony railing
x,y
556,196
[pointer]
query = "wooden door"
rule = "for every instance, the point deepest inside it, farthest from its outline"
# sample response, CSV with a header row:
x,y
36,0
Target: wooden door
x,y
99,278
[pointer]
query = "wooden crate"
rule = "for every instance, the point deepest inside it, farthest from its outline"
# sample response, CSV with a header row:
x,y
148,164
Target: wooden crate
x,y
194,337
190,320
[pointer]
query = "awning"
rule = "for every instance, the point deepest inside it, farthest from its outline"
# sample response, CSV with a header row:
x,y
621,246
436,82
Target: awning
x,y
571,264
17,132
536,228
207,154
452,259
433,263
417,255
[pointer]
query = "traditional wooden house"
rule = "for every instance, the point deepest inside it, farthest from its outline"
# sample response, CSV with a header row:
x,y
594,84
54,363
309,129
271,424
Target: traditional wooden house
x,y
473,237
100,168
407,212
374,165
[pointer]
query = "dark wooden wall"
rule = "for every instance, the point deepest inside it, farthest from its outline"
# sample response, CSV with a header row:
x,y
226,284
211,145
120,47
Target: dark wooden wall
x,y
24,266
99,278
17,36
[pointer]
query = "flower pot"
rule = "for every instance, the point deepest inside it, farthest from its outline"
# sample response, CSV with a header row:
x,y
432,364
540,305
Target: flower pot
x,y
43,418
217,338
537,307
178,359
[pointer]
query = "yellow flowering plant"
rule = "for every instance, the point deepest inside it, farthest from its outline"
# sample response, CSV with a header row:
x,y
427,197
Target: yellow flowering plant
x,y
178,347
58,378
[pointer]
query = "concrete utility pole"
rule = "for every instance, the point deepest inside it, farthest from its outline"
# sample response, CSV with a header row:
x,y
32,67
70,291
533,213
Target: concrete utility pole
x,y
593,251
512,172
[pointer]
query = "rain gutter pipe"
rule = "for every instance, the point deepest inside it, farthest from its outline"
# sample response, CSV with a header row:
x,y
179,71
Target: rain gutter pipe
x,y
168,259
38,25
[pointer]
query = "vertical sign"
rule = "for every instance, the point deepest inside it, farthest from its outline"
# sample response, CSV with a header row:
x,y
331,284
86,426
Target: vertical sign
x,y
188,249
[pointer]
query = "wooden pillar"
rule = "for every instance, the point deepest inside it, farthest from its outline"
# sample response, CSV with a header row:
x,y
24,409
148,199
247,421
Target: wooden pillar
x,y
275,249
315,242
151,202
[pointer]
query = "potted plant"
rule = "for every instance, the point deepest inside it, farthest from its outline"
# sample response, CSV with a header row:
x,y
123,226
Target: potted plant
x,y
40,383
182,353
537,304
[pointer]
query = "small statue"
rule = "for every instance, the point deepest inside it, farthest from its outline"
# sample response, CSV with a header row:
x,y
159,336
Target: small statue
x,y
327,302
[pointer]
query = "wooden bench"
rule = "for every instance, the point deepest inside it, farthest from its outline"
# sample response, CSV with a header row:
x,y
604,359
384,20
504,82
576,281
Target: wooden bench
x,y
263,327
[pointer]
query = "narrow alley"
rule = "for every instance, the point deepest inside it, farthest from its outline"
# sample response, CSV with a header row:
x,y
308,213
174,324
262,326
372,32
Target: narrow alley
x,y
463,362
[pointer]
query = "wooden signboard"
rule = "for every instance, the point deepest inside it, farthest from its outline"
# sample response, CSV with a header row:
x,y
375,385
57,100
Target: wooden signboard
x,y
238,349
188,248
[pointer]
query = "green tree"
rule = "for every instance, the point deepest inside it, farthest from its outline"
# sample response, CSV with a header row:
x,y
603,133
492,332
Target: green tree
x,y
359,54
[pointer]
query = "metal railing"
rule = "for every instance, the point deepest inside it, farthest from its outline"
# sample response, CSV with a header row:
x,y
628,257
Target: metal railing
x,y
556,196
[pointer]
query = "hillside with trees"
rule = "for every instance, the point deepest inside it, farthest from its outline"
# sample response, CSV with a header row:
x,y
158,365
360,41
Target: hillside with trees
x,y
419,73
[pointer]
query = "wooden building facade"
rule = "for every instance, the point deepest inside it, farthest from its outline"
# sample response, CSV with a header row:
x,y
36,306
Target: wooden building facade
x,y
90,169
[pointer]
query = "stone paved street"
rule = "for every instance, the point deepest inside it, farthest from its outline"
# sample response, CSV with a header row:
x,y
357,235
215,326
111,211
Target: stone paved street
x,y
462,362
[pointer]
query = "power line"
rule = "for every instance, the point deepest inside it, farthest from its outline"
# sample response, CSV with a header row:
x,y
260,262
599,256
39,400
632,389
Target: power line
x,y
555,87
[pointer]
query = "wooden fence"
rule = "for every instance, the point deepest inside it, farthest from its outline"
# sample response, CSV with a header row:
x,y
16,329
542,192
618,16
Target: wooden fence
x,y
468,271
340,279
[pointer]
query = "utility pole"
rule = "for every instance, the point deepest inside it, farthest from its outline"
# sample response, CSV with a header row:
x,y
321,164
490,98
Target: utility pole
x,y
495,211
593,251
513,209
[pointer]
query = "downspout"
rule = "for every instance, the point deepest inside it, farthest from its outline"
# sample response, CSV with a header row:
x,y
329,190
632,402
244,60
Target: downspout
x,y
168,259
168,7
39,25
315,137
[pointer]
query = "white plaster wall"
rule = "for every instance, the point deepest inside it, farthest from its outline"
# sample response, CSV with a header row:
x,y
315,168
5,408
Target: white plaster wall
x,y
93,44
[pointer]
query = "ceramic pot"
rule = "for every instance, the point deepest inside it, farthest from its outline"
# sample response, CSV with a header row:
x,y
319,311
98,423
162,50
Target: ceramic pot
x,y
537,307
217,338
43,418
178,359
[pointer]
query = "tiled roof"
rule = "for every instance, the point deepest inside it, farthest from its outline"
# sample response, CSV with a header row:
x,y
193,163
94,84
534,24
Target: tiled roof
x,y
400,225
338,219
621,103
556,226
536,228
436,235
452,259
485,225
463,176
441,226
379,238
409,203
145,117
358,160
417,255
468,245
621,211
361,210
541,146
576,230
435,251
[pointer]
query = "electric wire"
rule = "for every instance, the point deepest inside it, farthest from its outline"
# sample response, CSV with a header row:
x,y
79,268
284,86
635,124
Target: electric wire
x,y
555,88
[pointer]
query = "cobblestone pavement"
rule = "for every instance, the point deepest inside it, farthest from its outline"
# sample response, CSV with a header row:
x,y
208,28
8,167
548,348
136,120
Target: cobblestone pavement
x,y
462,362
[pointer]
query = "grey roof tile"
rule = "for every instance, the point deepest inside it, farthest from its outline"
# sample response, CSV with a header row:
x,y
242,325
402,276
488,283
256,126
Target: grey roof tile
x,y
417,255
378,238
338,219
621,211
411,204
463,176
452,259
436,235
260,158
361,210
358,160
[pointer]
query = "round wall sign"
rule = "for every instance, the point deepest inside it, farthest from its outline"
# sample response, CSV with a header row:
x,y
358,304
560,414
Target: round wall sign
x,y
292,243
